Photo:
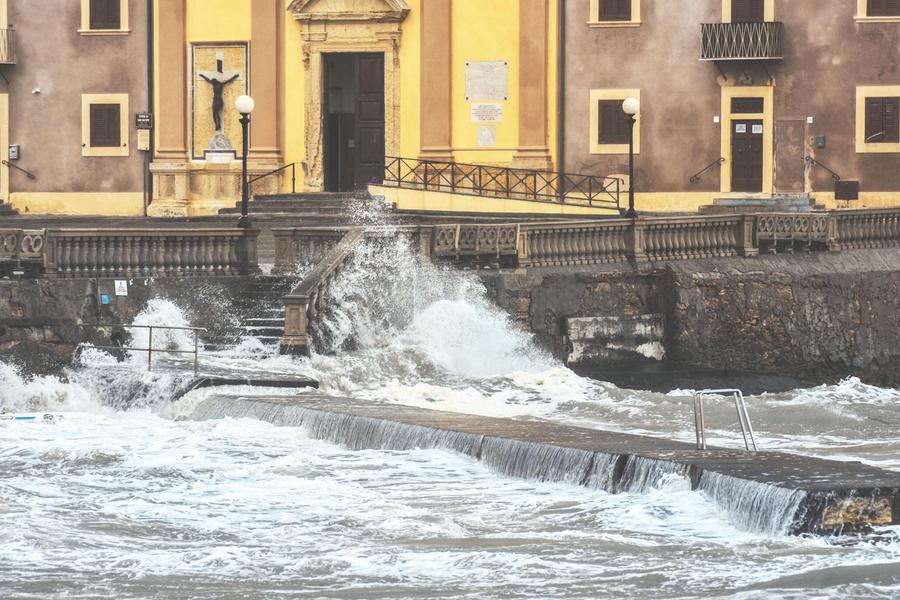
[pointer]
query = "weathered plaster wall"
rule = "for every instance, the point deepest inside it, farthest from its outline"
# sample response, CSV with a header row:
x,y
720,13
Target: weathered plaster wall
x,y
827,54
815,316
63,64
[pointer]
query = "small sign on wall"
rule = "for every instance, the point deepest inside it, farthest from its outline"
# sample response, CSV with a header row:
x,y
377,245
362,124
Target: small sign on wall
x,y
487,113
121,287
487,80
487,136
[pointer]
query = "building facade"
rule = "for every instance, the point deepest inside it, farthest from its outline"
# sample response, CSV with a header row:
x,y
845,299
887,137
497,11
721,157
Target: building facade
x,y
73,75
339,85
768,96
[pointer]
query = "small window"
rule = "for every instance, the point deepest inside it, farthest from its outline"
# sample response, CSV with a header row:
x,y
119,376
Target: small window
x,y
747,106
882,120
615,10
883,8
106,123
613,123
105,14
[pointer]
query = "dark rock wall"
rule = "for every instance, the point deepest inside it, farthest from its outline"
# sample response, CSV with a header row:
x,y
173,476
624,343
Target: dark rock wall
x,y
819,316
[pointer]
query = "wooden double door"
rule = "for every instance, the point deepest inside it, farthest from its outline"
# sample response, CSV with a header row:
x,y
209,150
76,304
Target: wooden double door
x,y
354,120
747,155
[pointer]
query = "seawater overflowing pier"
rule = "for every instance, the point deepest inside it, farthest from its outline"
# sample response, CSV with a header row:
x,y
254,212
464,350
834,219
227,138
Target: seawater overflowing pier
x,y
773,492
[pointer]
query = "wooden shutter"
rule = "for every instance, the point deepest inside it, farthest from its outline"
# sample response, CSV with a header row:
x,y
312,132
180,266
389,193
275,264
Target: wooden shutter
x,y
106,14
882,120
613,123
106,126
615,10
883,8
748,11
891,118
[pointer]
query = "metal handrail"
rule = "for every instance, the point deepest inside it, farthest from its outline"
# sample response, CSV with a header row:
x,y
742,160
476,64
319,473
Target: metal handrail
x,y
150,349
696,176
499,181
743,416
811,161
292,166
29,174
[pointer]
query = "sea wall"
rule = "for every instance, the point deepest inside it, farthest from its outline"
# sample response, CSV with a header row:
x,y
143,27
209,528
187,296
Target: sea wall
x,y
817,316
42,321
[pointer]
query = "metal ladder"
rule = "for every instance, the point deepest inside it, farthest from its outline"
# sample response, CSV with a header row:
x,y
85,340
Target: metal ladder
x,y
739,405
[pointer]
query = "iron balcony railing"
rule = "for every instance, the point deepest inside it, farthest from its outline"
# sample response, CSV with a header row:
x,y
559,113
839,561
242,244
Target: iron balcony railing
x,y
742,41
7,46
503,182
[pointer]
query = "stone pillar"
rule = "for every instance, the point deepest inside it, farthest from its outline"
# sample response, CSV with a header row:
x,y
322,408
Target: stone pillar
x,y
533,151
436,120
170,161
265,79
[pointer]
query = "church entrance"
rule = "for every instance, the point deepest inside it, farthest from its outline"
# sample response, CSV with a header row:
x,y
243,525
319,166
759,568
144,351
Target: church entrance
x,y
354,120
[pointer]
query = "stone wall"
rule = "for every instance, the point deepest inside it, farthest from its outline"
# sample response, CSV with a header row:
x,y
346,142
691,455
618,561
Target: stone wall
x,y
41,320
817,316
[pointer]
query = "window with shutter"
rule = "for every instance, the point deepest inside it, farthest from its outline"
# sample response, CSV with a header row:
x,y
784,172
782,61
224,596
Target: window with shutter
x,y
105,14
883,8
882,120
615,10
613,123
748,11
105,126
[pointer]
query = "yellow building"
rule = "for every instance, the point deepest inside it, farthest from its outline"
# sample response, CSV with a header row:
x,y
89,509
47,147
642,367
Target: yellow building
x,y
341,84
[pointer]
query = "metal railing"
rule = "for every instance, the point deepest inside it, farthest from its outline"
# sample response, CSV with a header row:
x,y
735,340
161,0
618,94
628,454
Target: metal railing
x,y
28,173
291,166
150,349
503,182
810,161
742,41
743,417
696,176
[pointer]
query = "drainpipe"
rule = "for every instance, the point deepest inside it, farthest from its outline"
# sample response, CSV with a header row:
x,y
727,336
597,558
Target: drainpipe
x,y
561,93
148,177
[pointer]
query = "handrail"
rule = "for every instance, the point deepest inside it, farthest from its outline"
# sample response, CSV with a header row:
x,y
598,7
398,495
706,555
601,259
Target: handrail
x,y
29,174
499,181
292,166
696,176
149,349
809,160
743,416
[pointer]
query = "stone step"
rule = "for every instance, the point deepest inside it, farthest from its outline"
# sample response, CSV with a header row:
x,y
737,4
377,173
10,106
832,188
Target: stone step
x,y
6,210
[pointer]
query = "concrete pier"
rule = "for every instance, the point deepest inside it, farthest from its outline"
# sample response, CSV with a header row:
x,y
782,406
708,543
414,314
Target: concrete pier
x,y
809,495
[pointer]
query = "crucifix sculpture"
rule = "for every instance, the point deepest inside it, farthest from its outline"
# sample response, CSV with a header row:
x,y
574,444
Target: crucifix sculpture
x,y
218,79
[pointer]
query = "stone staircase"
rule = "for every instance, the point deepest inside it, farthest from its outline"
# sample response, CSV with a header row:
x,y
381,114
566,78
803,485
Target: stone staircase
x,y
260,305
318,207
6,210
791,203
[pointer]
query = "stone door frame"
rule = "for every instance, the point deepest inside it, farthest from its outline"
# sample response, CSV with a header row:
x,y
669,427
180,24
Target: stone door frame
x,y
350,30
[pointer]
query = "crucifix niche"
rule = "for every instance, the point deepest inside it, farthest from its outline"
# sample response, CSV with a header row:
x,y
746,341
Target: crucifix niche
x,y
218,79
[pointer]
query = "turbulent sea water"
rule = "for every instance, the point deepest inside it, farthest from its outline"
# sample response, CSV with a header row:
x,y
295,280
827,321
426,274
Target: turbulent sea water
x,y
127,497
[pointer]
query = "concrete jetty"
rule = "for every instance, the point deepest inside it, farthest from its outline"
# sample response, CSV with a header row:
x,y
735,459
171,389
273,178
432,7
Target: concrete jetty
x,y
770,491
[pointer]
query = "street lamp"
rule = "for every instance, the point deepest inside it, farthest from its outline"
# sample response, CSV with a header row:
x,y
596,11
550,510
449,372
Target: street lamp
x,y
244,105
631,106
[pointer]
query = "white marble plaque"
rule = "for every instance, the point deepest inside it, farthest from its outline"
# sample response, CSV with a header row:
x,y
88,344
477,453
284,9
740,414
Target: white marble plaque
x,y
487,113
487,80
487,136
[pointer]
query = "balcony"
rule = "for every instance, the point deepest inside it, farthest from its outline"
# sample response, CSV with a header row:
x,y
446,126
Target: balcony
x,y
7,46
742,41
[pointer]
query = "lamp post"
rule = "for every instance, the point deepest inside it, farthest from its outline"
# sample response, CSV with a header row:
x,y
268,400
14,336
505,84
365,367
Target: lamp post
x,y
244,105
631,106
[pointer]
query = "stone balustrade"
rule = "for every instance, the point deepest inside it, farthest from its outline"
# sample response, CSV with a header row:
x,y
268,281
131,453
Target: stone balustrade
x,y
150,252
304,302
776,231
475,240
21,244
866,228
304,246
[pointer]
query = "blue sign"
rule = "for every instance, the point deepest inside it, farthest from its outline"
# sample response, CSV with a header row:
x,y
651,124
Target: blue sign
x,y
104,299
